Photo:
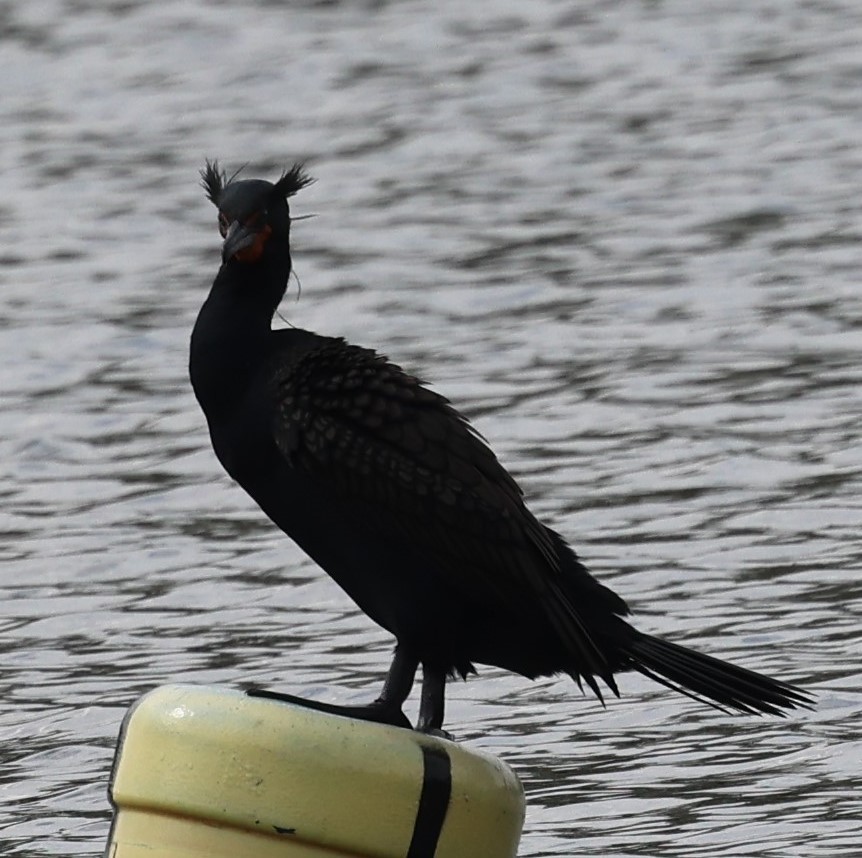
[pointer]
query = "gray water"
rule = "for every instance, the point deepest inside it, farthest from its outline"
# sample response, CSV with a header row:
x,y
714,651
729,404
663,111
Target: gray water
x,y
623,237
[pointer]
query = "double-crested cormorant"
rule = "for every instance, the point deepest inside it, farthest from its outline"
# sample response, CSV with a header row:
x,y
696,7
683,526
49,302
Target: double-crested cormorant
x,y
385,485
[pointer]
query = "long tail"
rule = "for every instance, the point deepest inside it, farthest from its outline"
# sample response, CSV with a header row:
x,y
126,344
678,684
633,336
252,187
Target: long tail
x,y
710,680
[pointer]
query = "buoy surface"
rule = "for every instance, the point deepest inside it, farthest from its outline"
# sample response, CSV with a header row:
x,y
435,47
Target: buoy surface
x,y
205,772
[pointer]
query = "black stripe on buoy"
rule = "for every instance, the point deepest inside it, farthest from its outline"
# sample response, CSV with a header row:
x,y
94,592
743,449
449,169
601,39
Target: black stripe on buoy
x,y
433,802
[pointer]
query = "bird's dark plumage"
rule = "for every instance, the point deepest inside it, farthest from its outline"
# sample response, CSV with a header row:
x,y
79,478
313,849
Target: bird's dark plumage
x,y
395,495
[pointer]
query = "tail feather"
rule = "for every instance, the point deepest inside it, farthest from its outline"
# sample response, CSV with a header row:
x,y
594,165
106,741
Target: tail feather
x,y
717,683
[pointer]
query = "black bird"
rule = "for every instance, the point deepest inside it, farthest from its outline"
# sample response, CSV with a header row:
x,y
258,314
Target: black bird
x,y
386,486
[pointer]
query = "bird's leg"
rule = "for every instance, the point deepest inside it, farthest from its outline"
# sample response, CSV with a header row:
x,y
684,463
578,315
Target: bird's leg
x,y
432,702
386,709
399,681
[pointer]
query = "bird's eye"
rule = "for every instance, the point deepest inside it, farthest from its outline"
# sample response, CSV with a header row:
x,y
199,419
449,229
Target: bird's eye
x,y
222,224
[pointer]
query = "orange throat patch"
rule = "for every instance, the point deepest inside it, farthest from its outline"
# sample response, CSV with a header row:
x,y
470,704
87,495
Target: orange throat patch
x,y
255,250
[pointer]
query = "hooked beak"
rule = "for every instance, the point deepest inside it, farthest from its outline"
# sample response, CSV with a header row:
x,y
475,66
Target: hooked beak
x,y
238,238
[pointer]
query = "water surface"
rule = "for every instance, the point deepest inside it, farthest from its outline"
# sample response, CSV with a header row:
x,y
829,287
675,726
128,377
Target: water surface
x,y
622,237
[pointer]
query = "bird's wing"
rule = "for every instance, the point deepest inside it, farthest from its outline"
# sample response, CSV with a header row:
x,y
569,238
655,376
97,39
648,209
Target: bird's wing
x,y
375,435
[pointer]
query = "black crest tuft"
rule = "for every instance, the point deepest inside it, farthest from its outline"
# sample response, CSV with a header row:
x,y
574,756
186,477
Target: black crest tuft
x,y
292,181
213,181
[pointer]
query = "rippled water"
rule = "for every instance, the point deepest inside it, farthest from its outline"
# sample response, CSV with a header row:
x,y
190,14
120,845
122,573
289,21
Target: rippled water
x,y
623,237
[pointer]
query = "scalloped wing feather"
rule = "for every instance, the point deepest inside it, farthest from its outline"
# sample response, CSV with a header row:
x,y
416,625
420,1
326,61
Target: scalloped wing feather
x,y
377,436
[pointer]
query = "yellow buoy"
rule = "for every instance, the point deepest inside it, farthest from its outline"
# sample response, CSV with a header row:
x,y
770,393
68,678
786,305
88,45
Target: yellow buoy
x,y
213,773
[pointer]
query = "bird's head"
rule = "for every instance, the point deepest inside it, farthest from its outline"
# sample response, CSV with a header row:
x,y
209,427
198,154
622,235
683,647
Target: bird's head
x,y
252,213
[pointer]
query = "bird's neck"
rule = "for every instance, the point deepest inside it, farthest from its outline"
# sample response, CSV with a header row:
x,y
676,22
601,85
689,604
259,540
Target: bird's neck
x,y
232,332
